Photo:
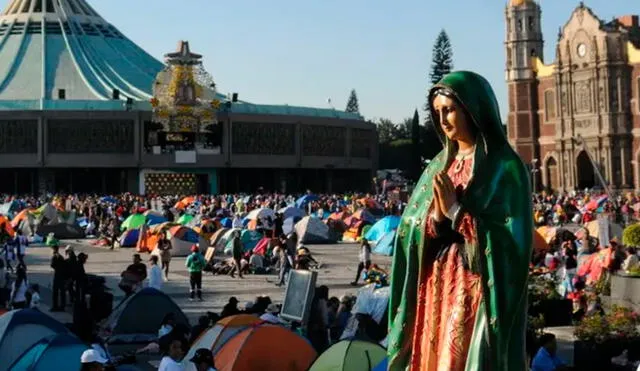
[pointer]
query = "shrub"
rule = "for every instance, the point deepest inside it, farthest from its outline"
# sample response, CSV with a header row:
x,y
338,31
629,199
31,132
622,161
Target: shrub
x,y
631,235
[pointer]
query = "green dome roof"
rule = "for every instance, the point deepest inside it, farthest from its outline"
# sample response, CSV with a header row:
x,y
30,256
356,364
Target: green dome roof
x,y
51,45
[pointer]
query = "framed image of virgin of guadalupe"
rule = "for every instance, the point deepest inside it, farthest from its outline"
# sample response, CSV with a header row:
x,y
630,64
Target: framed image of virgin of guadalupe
x,y
299,295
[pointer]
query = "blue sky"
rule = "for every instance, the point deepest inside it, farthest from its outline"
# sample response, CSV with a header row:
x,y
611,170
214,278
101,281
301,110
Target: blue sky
x,y
302,52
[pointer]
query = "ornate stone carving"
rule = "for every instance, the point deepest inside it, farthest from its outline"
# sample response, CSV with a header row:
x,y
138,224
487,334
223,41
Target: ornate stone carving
x,y
90,136
361,143
583,97
583,124
264,138
323,140
18,136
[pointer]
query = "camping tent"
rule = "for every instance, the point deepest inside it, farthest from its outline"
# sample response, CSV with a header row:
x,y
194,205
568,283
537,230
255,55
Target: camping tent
x,y
382,227
384,246
20,329
129,238
257,345
218,335
58,351
313,230
182,238
350,355
249,240
137,319
60,230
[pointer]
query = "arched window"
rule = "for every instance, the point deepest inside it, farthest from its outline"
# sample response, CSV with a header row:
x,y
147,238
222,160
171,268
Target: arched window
x,y
510,58
530,24
519,25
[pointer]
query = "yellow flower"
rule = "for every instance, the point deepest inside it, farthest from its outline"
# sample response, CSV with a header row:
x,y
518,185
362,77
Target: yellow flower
x,y
215,103
154,102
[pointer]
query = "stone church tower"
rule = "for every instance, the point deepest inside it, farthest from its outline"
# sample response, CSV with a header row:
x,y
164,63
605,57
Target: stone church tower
x,y
575,121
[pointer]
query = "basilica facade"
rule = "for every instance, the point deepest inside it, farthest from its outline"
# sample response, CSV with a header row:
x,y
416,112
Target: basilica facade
x,y
576,119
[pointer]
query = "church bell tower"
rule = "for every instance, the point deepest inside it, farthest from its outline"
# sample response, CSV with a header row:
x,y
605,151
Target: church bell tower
x,y
523,43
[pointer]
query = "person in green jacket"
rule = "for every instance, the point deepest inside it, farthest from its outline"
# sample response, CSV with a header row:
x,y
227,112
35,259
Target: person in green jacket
x,y
195,265
458,297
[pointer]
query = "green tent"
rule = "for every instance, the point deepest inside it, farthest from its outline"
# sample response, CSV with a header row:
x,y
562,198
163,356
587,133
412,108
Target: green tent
x,y
350,355
185,219
134,221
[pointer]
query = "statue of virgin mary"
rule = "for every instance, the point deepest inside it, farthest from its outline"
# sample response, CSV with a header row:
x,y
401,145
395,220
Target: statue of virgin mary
x,y
460,267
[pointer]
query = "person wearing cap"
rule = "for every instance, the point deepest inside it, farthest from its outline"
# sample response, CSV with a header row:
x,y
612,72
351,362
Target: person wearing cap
x,y
195,265
203,360
91,360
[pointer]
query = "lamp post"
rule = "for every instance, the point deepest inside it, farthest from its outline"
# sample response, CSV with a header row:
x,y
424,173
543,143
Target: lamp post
x,y
534,171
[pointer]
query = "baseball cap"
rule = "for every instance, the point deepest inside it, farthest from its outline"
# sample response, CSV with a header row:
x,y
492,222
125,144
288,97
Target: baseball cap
x,y
92,356
203,355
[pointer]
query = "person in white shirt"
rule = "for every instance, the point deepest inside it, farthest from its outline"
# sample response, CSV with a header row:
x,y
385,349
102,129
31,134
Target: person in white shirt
x,y
21,246
173,356
92,361
35,296
19,289
203,360
155,274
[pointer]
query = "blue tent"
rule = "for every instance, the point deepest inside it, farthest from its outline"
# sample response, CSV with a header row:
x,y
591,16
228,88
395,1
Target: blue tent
x,y
382,227
302,202
59,351
21,329
382,366
250,239
384,246
292,212
289,224
129,238
155,219
226,222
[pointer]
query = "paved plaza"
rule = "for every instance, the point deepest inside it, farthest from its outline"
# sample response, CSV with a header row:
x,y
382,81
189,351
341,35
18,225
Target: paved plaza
x,y
338,269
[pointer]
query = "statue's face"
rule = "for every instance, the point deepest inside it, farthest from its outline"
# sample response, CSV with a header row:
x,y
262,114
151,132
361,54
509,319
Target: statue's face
x,y
451,118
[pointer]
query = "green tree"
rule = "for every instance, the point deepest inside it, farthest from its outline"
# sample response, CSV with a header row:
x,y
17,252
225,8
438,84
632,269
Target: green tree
x,y
416,151
441,58
352,103
441,64
386,130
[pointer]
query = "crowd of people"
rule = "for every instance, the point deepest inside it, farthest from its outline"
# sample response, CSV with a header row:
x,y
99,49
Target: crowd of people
x,y
566,256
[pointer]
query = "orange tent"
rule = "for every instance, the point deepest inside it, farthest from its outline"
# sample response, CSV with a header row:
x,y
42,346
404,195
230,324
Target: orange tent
x,y
15,222
184,203
7,226
218,335
255,348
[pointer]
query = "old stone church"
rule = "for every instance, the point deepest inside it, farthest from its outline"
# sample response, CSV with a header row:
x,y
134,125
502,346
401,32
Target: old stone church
x,y
575,120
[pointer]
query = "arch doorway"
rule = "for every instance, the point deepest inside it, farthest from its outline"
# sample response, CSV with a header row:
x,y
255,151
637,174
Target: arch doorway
x,y
553,182
586,174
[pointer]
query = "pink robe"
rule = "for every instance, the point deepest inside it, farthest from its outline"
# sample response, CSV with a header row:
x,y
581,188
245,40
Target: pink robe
x,y
448,299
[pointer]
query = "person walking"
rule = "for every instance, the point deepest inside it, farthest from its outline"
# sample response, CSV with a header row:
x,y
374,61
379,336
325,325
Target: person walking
x,y
237,255
155,273
164,245
195,264
21,244
365,260
59,296
19,289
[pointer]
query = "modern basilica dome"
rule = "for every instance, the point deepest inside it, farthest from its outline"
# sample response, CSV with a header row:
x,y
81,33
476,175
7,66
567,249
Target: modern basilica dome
x,y
63,50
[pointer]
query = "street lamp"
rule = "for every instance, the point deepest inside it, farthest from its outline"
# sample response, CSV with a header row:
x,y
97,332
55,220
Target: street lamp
x,y
534,171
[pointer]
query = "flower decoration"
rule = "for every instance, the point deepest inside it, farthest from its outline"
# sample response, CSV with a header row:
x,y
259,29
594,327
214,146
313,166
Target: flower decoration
x,y
215,104
154,102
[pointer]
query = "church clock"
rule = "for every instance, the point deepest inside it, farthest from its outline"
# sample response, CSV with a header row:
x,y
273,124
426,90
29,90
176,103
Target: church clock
x,y
582,50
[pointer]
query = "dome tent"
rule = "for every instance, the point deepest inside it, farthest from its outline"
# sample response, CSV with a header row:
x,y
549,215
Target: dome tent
x,y
313,230
383,226
62,350
137,318
350,355
21,329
